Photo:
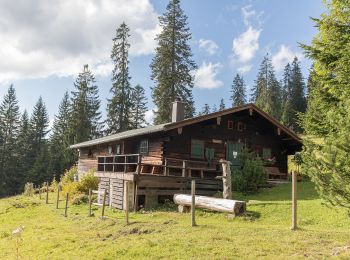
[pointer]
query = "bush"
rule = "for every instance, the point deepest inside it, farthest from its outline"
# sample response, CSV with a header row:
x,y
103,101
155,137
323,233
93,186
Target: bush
x,y
71,188
68,175
28,189
88,181
251,175
79,199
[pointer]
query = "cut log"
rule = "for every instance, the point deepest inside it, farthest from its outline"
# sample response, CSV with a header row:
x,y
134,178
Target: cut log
x,y
235,207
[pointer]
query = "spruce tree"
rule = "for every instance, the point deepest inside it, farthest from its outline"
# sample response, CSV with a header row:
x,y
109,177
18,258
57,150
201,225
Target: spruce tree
x,y
287,112
205,110
222,105
9,127
85,104
266,92
327,119
119,106
172,65
38,154
139,107
24,141
238,96
62,157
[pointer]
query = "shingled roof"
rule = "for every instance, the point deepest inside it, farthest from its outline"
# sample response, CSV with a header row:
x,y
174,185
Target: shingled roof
x,y
189,121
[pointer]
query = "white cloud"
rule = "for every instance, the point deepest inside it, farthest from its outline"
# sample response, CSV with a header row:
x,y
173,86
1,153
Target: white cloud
x,y
41,38
283,56
244,69
209,46
247,13
149,116
205,75
246,45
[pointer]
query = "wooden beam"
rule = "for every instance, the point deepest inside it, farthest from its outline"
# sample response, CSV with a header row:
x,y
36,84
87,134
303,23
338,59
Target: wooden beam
x,y
251,111
278,131
179,130
218,120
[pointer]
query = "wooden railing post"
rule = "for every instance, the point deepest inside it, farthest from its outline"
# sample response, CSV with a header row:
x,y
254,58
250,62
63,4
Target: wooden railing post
x,y
104,203
127,203
125,161
90,202
165,170
138,167
184,164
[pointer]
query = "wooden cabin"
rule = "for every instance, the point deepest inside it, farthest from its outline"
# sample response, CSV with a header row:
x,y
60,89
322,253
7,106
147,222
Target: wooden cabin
x,y
159,161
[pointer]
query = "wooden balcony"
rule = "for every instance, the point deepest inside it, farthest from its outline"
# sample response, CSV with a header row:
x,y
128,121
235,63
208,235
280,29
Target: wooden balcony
x,y
133,164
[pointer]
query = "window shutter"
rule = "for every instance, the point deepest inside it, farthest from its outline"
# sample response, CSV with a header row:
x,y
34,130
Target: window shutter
x,y
197,149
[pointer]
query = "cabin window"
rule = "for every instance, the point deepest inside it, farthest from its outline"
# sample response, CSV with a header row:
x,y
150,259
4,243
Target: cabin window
x,y
143,146
240,126
197,149
117,149
230,124
266,153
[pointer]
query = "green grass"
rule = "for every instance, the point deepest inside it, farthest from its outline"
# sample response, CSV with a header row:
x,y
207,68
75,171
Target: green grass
x,y
264,232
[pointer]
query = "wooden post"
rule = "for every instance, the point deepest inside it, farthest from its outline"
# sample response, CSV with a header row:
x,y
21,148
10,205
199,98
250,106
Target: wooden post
x,y
90,202
126,203
39,191
165,167
294,200
135,196
184,168
226,179
47,193
66,208
193,209
103,203
58,196
125,161
138,169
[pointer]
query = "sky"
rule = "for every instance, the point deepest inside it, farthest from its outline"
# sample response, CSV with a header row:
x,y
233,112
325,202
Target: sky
x,y
45,44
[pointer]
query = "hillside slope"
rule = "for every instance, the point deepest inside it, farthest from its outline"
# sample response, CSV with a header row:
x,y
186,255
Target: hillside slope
x,y
263,233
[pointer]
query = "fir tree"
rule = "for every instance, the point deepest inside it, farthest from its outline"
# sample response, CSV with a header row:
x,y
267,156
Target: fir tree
x,y
327,119
61,156
24,141
85,116
266,92
38,130
238,92
205,110
222,105
139,107
119,106
287,112
9,126
172,65
215,108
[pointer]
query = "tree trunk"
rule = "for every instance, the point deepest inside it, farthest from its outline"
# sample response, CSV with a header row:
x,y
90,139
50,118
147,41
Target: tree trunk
x,y
215,204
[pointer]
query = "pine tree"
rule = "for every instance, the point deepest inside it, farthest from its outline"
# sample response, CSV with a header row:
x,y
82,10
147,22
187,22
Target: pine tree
x,y
327,119
139,107
38,130
61,156
205,110
287,113
172,65
215,108
238,97
24,141
9,126
266,93
85,116
119,106
222,105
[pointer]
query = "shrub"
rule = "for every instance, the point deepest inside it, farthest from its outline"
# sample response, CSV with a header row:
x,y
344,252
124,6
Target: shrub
x,y
68,175
88,181
251,175
78,199
71,188
28,189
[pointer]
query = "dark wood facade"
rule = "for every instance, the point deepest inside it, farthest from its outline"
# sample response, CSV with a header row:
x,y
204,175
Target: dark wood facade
x,y
161,163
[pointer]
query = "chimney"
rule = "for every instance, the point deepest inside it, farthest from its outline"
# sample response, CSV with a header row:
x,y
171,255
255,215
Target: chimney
x,y
178,111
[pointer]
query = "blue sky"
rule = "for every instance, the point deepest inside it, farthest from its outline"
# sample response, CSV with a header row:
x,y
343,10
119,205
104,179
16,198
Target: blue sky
x,y
41,54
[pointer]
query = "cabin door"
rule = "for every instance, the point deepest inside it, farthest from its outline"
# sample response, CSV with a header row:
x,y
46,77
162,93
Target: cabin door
x,y
233,152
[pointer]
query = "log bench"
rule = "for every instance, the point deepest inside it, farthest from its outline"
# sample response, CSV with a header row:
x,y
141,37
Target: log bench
x,y
274,173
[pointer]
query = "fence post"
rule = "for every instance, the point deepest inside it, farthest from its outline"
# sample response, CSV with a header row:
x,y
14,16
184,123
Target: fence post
x,y
127,203
39,191
58,196
90,201
193,206
183,168
47,193
66,208
103,203
294,200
